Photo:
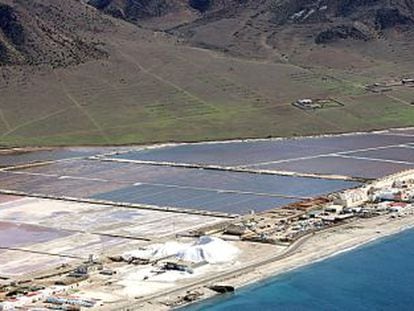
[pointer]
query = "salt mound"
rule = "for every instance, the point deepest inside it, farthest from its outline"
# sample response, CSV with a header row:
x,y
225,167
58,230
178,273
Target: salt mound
x,y
209,249
155,251
169,249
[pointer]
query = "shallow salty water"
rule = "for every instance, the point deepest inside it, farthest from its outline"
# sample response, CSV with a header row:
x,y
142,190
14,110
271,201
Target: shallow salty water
x,y
249,153
379,276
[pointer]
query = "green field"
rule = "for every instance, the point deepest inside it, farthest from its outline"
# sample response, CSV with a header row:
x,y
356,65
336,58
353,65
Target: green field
x,y
158,92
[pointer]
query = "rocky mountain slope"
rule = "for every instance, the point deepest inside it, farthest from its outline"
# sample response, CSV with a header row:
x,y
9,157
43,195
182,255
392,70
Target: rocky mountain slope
x,y
45,32
139,9
139,71
240,27
134,10
376,13
358,19
61,33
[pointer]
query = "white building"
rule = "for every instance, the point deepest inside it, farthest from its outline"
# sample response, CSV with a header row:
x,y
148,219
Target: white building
x,y
351,198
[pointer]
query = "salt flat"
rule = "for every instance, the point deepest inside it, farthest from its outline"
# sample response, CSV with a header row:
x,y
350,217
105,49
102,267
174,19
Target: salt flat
x,y
169,192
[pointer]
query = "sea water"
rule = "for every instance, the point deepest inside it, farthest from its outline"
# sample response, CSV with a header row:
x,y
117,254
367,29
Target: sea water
x,y
378,276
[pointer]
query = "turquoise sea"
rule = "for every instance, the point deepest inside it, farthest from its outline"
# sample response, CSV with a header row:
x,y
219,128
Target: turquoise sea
x,y
378,276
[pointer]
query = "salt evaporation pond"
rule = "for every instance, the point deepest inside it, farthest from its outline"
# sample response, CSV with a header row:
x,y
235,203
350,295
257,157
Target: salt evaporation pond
x,y
379,276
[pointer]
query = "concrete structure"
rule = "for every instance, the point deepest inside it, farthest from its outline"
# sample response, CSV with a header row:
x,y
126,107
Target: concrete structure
x,y
352,197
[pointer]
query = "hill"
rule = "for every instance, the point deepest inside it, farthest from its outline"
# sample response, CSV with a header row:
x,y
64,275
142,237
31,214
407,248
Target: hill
x,y
129,71
39,32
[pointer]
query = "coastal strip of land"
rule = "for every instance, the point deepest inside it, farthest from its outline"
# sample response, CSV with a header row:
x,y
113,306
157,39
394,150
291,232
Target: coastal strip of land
x,y
307,250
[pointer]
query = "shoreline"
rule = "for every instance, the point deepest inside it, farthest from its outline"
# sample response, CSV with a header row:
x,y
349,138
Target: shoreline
x,y
393,230
273,278
316,248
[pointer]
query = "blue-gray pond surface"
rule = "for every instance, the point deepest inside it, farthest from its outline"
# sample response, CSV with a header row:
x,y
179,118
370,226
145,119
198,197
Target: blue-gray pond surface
x,y
228,192
236,185
379,276
178,187
364,155
256,152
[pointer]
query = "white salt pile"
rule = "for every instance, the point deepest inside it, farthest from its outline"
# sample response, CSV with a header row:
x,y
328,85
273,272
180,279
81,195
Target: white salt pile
x,y
156,251
209,249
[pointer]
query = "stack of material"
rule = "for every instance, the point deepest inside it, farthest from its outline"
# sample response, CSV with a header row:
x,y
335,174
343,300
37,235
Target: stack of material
x,y
205,249
209,249
155,251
